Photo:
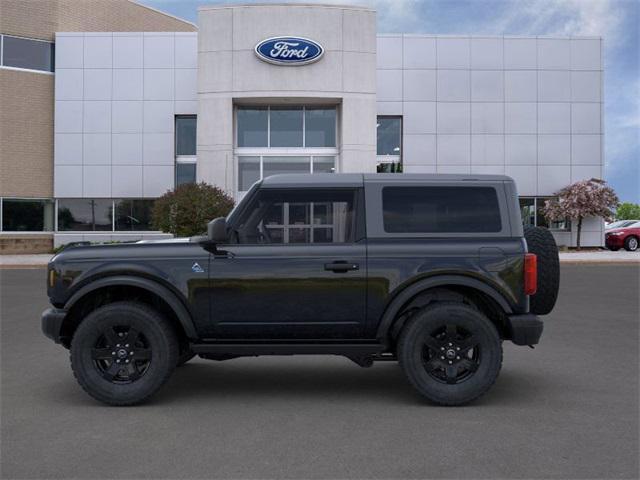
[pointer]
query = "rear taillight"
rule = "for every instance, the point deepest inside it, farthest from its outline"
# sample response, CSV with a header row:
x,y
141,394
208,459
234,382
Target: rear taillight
x,y
530,273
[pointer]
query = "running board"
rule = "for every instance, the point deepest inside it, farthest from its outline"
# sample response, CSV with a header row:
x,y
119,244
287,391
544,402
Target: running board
x,y
252,349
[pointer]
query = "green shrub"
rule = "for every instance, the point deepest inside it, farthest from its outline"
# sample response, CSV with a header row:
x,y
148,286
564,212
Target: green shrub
x,y
628,211
186,210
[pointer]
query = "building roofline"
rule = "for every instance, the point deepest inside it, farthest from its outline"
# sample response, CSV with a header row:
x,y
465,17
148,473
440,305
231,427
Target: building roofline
x,y
286,4
136,2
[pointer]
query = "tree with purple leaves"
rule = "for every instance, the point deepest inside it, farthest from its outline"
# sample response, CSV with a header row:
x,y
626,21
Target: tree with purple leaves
x,y
586,198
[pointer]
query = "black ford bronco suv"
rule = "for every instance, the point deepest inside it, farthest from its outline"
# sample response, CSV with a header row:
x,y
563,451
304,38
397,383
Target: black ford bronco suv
x,y
434,271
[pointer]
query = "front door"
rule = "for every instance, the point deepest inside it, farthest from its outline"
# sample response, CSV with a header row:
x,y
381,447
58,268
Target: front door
x,y
296,268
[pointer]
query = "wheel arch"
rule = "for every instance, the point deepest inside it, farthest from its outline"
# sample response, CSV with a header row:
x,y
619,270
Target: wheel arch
x,y
442,287
126,287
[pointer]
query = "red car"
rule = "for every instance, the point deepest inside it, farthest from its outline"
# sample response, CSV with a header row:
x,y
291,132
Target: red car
x,y
627,237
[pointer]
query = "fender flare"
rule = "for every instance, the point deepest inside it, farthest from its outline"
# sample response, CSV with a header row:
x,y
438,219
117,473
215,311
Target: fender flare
x,y
181,312
394,306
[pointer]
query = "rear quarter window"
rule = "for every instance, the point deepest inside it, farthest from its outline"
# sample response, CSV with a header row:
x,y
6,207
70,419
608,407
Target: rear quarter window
x,y
433,209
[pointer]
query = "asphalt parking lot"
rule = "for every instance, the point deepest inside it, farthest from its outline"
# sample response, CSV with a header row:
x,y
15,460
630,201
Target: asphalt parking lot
x,y
568,409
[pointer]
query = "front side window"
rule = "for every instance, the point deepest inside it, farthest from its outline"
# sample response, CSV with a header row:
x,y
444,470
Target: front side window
x,y
85,215
298,217
18,52
133,215
27,215
440,210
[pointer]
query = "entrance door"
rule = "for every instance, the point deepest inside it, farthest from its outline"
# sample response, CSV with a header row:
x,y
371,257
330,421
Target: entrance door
x,y
296,269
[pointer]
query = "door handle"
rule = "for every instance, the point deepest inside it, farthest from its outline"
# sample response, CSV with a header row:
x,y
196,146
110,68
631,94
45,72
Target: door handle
x,y
341,266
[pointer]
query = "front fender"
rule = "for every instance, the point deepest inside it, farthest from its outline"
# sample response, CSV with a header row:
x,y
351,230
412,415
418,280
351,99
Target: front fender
x,y
174,302
401,299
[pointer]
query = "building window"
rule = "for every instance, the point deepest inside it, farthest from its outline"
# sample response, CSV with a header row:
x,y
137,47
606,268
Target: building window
x,y
286,127
85,215
253,168
389,144
186,160
133,214
26,215
531,210
284,139
26,53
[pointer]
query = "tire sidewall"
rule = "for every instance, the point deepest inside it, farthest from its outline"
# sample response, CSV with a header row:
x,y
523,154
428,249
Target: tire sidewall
x,y
628,242
410,353
148,323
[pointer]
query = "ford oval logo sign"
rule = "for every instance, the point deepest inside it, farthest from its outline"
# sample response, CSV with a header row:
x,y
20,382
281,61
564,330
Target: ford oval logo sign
x,y
289,51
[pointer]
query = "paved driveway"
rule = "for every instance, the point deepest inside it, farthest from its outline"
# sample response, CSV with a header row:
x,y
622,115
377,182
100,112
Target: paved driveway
x,y
568,409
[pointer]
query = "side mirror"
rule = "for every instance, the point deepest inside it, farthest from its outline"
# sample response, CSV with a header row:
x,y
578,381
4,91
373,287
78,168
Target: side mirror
x,y
217,230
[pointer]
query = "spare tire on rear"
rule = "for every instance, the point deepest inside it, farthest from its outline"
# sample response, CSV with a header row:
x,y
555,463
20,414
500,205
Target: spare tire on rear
x,y
541,242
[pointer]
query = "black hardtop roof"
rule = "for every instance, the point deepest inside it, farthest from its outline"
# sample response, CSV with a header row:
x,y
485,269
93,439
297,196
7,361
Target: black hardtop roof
x,y
337,180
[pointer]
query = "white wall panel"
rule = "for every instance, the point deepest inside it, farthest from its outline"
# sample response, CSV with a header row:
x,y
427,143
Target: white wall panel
x,y
186,50
520,149
586,150
521,86
487,117
586,54
554,54
419,149
520,53
98,51
158,117
554,149
419,117
68,148
454,85
158,51
585,86
68,84
96,149
487,85
158,149
126,181
389,85
419,85
69,50
525,177
453,52
552,178
453,117
127,51
97,84
419,52
157,180
585,118
96,116
126,117
158,84
554,118
96,181
389,52
554,86
487,150
68,116
520,118
487,53
454,149
126,149
128,84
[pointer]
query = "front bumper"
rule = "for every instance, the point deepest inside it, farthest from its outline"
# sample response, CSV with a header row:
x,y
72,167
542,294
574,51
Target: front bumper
x,y
52,319
614,241
525,329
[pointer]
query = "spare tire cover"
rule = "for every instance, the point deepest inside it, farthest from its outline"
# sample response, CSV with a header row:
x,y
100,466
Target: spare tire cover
x,y
541,242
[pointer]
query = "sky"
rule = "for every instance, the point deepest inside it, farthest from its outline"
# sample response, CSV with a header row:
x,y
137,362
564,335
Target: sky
x,y
617,21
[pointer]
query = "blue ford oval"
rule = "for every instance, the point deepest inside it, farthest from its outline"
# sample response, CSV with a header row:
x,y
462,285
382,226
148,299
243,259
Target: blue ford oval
x,y
289,50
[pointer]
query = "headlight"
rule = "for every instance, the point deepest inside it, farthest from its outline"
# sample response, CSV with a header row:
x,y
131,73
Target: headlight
x,y
616,233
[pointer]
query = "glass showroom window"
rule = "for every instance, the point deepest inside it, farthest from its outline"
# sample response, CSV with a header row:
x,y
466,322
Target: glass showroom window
x,y
389,144
284,139
85,215
26,215
186,160
531,210
26,53
133,215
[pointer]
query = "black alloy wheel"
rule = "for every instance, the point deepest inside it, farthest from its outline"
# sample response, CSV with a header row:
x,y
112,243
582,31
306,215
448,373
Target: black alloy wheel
x,y
451,354
122,354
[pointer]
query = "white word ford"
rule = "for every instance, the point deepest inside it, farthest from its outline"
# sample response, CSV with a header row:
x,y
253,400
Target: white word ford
x,y
283,50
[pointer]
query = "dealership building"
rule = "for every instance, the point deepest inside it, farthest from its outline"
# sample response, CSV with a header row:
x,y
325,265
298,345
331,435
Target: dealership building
x,y
120,103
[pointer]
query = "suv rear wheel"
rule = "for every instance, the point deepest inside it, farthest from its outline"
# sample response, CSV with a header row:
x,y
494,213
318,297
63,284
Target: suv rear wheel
x,y
123,352
450,352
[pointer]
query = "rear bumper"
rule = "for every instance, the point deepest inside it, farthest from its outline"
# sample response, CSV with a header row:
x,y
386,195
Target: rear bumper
x,y
51,321
525,329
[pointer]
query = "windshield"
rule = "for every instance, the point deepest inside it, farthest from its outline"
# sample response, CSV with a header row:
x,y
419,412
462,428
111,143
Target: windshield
x,y
234,212
621,224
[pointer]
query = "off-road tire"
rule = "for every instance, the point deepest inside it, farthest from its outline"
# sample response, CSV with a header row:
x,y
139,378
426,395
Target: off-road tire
x,y
630,245
422,325
161,347
541,242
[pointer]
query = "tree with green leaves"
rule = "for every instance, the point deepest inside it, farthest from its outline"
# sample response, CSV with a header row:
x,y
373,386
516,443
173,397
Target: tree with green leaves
x,y
186,210
628,211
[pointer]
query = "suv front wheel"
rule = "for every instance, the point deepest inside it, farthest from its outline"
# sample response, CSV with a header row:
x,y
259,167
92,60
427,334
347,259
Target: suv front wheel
x,y
450,352
123,352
